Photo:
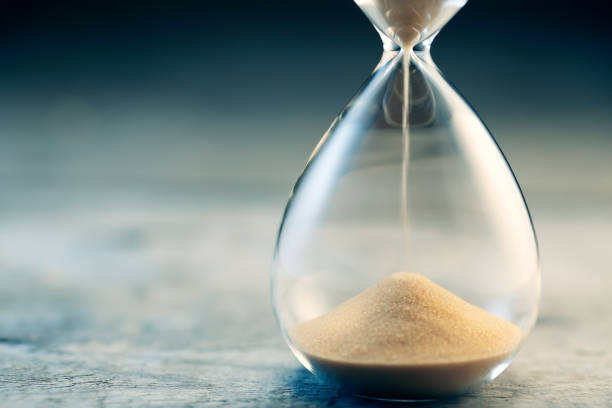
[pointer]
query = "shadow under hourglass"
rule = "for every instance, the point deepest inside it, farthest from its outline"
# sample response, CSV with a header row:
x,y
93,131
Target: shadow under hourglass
x,y
305,388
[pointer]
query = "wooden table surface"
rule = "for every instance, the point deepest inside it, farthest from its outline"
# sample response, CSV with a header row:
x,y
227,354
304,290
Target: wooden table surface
x,y
115,294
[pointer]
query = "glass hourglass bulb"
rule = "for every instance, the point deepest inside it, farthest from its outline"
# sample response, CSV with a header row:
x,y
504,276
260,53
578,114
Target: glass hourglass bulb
x,y
406,264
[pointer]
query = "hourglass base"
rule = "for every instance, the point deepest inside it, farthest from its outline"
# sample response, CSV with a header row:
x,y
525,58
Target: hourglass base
x,y
398,400
408,382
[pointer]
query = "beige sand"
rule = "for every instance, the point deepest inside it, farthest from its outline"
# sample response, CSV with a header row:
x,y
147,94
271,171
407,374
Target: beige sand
x,y
407,18
406,337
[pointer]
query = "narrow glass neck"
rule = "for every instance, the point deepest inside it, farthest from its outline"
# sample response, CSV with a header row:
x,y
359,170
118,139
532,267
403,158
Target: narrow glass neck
x,y
391,47
388,44
422,50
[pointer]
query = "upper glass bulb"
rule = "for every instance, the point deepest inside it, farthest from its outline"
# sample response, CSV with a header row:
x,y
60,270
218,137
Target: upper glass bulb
x,y
408,22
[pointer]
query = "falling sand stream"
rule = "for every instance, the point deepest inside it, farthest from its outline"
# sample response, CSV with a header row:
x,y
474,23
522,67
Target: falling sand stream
x,y
405,22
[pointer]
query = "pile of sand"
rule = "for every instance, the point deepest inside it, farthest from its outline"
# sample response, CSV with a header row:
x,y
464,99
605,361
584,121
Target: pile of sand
x,y
406,336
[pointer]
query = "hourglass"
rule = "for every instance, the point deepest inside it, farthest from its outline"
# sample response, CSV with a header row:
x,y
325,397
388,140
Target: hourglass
x,y
406,264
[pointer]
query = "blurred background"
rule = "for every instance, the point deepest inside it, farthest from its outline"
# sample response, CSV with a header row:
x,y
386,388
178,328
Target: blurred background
x,y
225,100
147,150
